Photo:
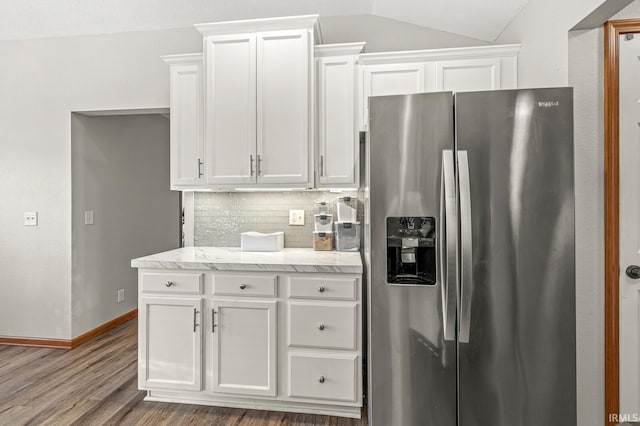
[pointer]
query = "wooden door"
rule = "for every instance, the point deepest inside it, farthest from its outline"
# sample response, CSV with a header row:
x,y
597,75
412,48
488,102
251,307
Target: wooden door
x,y
629,224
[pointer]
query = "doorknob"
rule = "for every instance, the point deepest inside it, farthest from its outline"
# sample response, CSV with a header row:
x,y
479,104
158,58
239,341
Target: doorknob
x,y
633,271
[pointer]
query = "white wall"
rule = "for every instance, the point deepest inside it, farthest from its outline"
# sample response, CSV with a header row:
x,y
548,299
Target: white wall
x,y
120,171
384,34
41,82
21,19
542,28
586,74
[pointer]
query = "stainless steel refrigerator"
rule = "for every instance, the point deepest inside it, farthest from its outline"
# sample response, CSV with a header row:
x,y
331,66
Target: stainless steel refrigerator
x,y
469,250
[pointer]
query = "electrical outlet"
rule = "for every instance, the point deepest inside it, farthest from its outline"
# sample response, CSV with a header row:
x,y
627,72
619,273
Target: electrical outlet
x,y
30,218
88,217
121,295
296,217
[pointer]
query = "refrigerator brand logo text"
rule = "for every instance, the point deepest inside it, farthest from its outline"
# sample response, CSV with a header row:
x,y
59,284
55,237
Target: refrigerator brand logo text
x,y
548,104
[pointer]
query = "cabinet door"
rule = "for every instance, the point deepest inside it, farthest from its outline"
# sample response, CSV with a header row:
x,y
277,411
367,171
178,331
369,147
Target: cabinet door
x,y
244,347
390,79
230,130
284,67
338,143
468,75
170,343
186,125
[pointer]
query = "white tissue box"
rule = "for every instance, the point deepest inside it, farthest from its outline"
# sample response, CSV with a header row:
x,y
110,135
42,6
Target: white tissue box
x,y
257,241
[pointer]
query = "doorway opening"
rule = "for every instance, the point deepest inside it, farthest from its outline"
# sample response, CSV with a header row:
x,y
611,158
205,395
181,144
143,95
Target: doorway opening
x,y
122,208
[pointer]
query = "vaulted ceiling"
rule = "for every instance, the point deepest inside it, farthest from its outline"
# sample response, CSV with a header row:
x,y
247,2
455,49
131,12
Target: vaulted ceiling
x,y
481,19
23,19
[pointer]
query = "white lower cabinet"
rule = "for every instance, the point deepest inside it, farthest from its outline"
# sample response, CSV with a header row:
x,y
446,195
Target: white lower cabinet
x,y
325,376
243,347
274,341
315,325
170,343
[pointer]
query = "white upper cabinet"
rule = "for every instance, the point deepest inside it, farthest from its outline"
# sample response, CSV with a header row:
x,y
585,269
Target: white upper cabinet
x,y
338,142
390,79
284,105
230,109
186,106
260,108
468,75
258,105
457,70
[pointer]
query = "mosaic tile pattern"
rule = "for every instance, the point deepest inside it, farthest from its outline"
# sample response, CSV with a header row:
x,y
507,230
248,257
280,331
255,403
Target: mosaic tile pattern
x,y
220,217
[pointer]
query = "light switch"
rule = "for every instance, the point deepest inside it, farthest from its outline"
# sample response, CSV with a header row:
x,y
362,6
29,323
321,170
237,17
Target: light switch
x,y
296,217
88,217
30,218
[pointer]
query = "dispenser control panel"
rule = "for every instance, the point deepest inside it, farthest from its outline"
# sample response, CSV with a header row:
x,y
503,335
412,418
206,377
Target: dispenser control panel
x,y
411,250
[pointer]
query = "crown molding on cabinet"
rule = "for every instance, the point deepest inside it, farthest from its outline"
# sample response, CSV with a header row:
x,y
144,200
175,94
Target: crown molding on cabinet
x,y
339,49
265,24
475,52
185,58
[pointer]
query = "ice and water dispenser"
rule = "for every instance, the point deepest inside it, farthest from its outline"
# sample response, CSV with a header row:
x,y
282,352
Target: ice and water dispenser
x,y
411,250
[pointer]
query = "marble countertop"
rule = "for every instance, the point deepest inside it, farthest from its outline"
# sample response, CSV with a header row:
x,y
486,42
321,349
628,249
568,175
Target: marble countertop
x,y
233,259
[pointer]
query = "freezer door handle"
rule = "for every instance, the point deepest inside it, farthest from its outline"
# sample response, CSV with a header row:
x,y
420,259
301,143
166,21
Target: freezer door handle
x,y
466,248
448,241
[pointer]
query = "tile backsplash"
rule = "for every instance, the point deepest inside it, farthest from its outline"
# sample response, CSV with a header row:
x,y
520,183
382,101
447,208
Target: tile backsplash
x,y
220,217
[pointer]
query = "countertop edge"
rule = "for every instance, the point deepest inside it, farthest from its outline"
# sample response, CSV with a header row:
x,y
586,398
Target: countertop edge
x,y
247,267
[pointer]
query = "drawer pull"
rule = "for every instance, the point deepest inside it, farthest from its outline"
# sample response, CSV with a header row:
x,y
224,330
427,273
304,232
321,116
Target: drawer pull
x,y
243,286
321,327
321,379
321,289
169,283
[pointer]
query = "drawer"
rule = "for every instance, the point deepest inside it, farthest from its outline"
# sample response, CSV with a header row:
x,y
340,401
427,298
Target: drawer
x,y
323,326
320,376
323,288
172,282
245,285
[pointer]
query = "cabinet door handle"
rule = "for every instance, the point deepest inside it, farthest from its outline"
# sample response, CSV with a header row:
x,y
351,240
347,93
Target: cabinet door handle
x,y
243,286
259,165
322,165
195,315
213,321
200,164
251,164
321,379
169,284
321,327
321,289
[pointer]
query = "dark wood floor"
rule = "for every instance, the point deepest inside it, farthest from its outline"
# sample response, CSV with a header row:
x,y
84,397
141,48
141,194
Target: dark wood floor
x,y
96,384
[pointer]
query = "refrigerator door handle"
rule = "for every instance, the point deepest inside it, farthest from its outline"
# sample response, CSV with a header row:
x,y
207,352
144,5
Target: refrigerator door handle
x,y
448,240
466,248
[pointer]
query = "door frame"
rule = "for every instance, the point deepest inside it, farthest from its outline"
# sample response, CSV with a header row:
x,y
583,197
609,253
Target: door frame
x,y
612,32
